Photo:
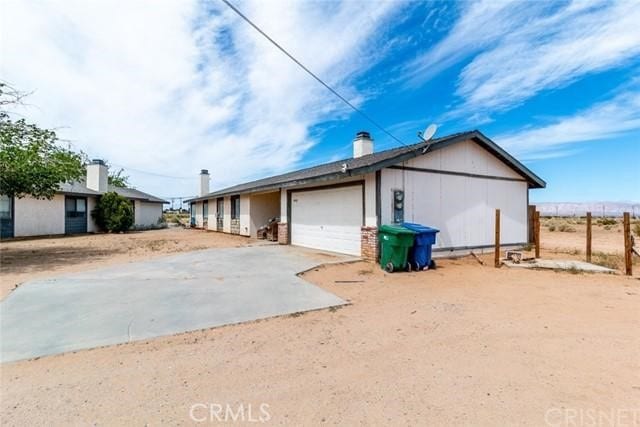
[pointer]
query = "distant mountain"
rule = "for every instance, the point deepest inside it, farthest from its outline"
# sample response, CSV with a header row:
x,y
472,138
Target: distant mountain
x,y
581,209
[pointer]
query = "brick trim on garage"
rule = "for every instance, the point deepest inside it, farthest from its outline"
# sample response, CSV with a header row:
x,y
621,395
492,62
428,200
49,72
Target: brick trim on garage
x,y
369,248
283,233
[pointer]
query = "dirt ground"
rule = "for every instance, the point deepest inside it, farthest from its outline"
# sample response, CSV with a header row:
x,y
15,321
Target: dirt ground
x,y
463,344
22,260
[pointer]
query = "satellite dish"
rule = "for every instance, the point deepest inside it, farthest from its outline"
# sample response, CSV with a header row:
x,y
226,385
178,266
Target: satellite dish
x,y
429,132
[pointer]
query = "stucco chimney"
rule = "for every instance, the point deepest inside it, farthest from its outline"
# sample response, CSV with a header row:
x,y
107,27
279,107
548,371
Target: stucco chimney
x,y
362,145
204,182
97,176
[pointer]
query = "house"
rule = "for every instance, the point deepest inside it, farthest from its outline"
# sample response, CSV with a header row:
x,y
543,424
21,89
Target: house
x,y
69,211
453,183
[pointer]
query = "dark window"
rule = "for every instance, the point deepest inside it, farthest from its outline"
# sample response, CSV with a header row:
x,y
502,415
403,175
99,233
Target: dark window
x,y
235,207
193,213
75,207
205,209
5,207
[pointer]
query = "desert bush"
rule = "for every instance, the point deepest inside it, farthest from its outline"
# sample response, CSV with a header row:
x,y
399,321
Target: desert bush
x,y
113,213
613,261
606,221
551,227
566,228
636,229
607,227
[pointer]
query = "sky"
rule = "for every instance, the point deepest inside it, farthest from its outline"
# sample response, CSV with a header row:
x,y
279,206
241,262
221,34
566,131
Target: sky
x,y
165,88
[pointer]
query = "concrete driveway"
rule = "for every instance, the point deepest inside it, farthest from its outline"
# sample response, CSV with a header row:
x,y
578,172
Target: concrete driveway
x,y
164,296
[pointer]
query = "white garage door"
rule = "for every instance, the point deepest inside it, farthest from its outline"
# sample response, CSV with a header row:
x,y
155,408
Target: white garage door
x,y
328,219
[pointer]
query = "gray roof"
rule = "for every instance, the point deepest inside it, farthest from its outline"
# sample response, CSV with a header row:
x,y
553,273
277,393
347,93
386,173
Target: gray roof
x,y
81,189
373,162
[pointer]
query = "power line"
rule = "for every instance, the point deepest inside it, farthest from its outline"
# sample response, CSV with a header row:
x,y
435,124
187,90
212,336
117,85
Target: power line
x,y
301,65
152,173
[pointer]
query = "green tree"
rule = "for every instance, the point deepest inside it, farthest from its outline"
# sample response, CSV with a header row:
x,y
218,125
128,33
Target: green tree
x,y
31,161
119,179
113,213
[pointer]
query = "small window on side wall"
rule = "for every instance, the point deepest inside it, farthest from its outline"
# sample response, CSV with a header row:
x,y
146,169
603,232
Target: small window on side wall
x,y
398,206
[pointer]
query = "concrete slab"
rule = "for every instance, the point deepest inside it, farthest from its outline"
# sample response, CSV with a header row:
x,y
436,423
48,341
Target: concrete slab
x,y
163,296
559,264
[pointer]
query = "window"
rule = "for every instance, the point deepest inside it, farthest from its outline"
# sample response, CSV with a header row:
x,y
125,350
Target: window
x,y
235,207
205,209
5,207
220,208
75,207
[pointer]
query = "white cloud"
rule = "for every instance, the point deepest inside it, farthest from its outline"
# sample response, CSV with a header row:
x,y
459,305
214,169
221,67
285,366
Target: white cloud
x,y
173,87
606,120
519,49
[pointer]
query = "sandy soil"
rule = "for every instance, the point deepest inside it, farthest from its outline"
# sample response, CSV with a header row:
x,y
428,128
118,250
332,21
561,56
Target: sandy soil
x,y
463,344
22,260
602,240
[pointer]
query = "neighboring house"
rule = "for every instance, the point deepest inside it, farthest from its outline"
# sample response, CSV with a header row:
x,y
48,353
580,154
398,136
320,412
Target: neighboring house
x,y
453,183
69,211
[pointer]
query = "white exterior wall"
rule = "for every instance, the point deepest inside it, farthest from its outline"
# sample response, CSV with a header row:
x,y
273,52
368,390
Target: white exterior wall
x,y
198,208
211,221
462,207
91,205
245,217
226,220
36,217
283,206
370,217
147,213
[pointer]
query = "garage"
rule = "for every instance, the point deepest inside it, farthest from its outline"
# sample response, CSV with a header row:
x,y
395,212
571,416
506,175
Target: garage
x,y
328,219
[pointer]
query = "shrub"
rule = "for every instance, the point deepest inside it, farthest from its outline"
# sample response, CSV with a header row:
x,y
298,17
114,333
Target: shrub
x,y
613,261
551,227
113,213
636,229
566,228
606,221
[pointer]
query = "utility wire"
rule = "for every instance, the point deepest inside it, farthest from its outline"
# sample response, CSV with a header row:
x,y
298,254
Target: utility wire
x,y
152,173
301,65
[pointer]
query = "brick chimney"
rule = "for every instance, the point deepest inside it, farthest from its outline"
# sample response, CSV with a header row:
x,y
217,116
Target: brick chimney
x,y
362,144
204,182
97,176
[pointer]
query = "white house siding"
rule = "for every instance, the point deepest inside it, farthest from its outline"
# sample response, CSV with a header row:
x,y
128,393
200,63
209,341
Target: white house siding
x,y
226,220
91,224
199,218
147,214
462,207
245,217
36,217
370,216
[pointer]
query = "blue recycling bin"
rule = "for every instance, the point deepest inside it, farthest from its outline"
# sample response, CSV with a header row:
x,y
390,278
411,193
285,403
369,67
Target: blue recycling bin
x,y
420,253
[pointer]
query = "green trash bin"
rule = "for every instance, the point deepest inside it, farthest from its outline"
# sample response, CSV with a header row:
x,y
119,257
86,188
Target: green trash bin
x,y
395,242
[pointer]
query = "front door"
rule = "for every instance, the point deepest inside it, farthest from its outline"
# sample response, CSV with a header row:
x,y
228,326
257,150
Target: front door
x,y
75,218
205,214
6,217
219,213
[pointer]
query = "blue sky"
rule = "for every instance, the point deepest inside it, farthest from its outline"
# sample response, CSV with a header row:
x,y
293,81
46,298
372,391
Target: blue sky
x,y
167,88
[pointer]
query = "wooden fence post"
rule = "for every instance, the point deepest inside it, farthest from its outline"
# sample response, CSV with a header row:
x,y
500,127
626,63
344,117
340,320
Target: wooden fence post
x,y
627,244
497,242
537,232
588,236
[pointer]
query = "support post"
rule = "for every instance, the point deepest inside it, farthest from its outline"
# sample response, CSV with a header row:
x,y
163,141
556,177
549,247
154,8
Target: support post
x,y
537,232
627,244
588,236
497,241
